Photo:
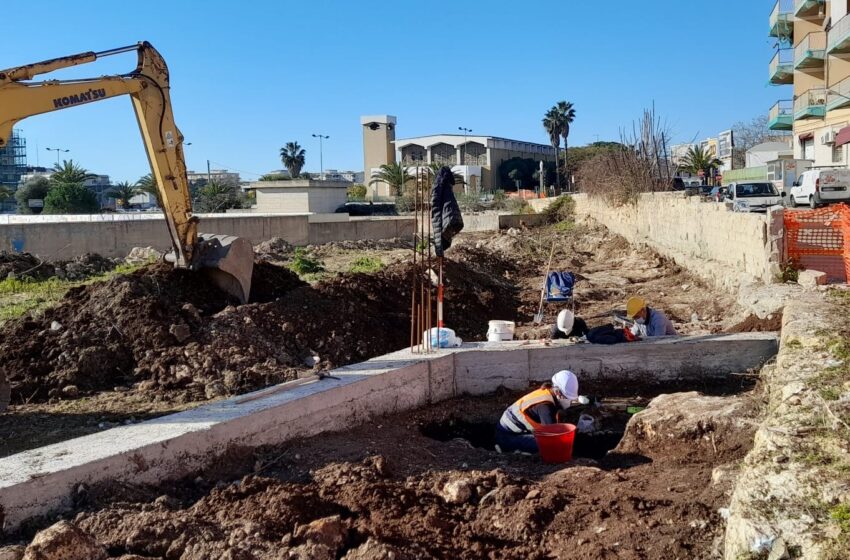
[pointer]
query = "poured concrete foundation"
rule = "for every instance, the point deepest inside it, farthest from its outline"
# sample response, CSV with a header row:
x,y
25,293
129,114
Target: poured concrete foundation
x,y
43,480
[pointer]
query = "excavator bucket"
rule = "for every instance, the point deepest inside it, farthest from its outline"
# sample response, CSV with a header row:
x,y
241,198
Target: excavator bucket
x,y
229,261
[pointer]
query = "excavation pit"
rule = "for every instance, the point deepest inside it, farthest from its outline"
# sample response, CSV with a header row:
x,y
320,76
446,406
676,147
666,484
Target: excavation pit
x,y
593,445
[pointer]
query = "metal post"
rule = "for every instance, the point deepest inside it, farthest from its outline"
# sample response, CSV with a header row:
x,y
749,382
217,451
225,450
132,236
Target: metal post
x,y
209,175
321,156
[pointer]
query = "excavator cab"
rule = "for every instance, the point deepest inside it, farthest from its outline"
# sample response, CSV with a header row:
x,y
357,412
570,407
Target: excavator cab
x,y
228,260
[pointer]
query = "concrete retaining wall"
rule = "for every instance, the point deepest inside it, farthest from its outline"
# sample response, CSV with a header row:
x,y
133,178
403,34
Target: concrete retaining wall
x,y
43,480
64,237
729,249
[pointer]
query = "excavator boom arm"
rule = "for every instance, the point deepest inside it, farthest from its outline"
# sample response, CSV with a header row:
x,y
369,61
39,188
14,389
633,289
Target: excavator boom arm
x,y
148,88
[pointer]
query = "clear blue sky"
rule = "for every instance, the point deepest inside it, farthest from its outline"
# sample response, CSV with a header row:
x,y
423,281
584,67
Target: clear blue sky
x,y
249,76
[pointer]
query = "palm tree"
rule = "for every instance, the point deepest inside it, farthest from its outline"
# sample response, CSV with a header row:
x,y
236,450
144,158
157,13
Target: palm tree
x,y
434,169
552,124
69,173
147,185
122,192
699,159
293,157
566,115
393,174
5,193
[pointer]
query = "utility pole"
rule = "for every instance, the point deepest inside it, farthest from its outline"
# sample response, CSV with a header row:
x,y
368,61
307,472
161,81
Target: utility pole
x,y
58,151
209,175
321,158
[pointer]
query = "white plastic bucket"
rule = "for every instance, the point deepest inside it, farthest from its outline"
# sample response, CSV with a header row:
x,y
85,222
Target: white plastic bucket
x,y
500,330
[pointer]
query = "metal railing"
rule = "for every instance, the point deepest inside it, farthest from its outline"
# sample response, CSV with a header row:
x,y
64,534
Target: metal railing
x,y
806,6
839,94
813,45
839,32
783,57
784,107
781,12
815,97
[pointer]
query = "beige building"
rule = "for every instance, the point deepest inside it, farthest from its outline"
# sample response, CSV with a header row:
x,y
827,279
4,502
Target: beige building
x,y
475,158
299,196
818,70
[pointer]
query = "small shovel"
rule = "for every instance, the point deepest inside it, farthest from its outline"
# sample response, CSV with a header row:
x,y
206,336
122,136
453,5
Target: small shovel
x,y
538,317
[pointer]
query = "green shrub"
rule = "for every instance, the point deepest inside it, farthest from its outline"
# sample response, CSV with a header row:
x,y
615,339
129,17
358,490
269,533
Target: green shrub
x,y
302,263
366,265
565,226
356,192
519,206
562,208
70,198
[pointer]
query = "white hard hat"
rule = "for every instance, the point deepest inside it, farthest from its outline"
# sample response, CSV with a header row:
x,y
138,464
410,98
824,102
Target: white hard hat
x,y
565,321
566,383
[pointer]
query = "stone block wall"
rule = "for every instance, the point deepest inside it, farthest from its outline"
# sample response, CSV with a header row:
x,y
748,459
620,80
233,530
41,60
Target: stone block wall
x,y
729,249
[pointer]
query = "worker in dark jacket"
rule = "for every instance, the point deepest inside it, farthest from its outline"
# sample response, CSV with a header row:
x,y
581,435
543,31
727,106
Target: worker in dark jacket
x,y
515,431
568,326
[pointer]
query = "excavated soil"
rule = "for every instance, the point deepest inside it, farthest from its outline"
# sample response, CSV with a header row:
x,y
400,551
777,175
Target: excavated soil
x,y
172,333
161,340
425,485
24,266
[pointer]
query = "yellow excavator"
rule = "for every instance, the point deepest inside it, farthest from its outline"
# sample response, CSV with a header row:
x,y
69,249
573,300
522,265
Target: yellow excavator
x,y
228,260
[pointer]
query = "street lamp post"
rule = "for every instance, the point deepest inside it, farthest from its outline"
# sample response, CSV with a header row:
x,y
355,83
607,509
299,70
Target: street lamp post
x,y
58,151
321,157
463,151
463,157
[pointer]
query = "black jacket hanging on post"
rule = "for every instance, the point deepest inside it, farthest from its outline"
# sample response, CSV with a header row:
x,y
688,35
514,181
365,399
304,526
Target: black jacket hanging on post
x,y
445,213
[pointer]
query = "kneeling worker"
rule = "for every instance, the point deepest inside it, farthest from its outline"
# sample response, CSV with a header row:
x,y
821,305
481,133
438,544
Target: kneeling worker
x,y
648,322
568,326
515,431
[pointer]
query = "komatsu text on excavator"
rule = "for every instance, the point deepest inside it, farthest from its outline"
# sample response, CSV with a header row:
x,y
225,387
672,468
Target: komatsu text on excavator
x,y
228,260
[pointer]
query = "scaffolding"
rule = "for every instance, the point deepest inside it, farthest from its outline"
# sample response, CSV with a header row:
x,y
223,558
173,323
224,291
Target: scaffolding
x,y
13,160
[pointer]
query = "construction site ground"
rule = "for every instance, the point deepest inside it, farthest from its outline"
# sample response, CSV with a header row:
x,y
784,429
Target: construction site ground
x,y
156,341
429,484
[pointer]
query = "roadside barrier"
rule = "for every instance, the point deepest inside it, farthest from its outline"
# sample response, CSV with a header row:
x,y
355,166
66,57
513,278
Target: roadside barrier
x,y
820,240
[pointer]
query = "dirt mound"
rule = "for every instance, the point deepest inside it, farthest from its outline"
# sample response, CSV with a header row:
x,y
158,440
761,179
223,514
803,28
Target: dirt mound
x,y
27,266
85,266
173,334
771,323
99,334
275,248
23,265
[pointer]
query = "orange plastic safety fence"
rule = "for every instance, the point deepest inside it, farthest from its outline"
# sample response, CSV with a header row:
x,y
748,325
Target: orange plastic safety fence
x,y
820,239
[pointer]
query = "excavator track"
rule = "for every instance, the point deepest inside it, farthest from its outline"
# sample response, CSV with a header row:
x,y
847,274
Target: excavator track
x,y
5,393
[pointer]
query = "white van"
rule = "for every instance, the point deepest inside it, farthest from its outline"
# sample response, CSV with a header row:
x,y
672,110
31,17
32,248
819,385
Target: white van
x,y
820,186
755,196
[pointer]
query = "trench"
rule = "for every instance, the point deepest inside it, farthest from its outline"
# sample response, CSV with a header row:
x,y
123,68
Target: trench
x,y
594,444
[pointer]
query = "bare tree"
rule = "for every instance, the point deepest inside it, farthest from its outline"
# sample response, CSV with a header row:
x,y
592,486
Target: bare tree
x,y
749,134
640,165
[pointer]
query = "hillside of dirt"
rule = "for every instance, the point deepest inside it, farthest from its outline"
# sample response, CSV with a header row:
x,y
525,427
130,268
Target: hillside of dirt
x,y
397,489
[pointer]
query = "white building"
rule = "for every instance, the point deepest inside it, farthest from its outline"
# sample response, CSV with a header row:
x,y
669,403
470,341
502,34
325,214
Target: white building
x,y
760,154
218,175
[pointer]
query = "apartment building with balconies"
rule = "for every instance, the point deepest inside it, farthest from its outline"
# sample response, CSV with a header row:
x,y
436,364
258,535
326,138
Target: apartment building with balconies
x,y
812,62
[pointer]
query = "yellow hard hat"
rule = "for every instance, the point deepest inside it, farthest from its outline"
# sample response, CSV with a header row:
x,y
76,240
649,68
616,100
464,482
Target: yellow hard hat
x,y
634,306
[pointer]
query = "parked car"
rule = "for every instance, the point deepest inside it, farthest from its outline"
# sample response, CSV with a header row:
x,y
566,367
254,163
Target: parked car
x,y
717,194
753,197
368,209
817,187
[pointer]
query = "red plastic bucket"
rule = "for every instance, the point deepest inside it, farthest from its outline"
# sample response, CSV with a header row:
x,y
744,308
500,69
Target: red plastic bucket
x,y
555,442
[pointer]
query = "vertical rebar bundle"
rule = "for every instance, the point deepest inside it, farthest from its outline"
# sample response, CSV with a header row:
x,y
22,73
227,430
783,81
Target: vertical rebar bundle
x,y
423,276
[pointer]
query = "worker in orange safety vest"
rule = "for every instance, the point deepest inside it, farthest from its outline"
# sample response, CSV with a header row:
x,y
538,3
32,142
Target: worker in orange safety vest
x,y
515,431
